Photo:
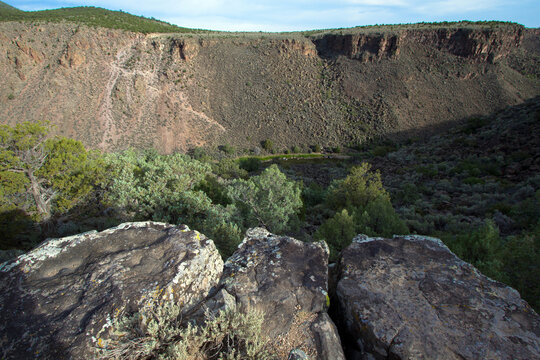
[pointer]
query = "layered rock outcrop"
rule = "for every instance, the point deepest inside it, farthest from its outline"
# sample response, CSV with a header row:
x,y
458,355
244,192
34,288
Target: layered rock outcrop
x,y
481,44
363,47
411,298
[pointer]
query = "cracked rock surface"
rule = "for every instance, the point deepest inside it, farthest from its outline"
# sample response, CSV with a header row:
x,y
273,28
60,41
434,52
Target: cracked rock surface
x,y
287,280
59,300
410,297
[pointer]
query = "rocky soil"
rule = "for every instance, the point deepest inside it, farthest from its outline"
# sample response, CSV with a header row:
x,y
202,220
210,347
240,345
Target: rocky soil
x,y
114,89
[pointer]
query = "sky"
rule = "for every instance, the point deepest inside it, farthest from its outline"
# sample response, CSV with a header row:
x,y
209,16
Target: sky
x,y
293,15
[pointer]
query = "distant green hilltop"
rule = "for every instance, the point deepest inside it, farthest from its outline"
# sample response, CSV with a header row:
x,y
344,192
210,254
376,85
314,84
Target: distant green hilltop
x,y
93,16
99,17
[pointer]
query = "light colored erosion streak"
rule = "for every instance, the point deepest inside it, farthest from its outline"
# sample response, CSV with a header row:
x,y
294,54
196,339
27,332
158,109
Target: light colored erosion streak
x,y
118,69
105,110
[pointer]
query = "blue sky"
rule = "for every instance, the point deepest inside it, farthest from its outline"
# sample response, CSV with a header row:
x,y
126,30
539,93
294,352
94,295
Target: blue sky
x,y
291,15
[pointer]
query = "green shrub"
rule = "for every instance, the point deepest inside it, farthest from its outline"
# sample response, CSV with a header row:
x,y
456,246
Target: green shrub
x,y
11,97
267,145
156,332
227,149
214,189
527,212
502,206
408,193
379,218
471,180
518,156
359,188
480,247
313,194
42,175
474,124
427,171
19,231
316,148
338,231
520,257
198,153
146,185
363,206
269,199
382,150
227,236
229,169
296,149
250,164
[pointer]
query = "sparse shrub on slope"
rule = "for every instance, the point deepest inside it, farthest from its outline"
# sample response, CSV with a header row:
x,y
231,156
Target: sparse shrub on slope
x,y
227,149
267,145
93,16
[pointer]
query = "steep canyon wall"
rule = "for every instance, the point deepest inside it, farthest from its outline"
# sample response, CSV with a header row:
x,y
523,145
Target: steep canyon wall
x,y
114,89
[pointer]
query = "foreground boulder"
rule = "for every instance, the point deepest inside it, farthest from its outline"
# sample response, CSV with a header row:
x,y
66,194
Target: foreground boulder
x,y
59,300
410,297
286,279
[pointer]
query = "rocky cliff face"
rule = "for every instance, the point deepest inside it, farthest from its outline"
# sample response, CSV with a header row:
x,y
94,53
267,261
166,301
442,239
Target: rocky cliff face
x,y
115,89
401,298
480,45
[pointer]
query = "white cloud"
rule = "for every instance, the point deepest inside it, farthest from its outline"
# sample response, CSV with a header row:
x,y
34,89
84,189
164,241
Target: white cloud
x,y
385,3
456,6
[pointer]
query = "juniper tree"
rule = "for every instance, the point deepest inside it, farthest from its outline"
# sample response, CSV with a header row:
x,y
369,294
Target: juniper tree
x,y
36,170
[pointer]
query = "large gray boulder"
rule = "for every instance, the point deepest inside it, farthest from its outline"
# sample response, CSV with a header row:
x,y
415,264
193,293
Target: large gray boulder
x,y
410,297
286,279
59,300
